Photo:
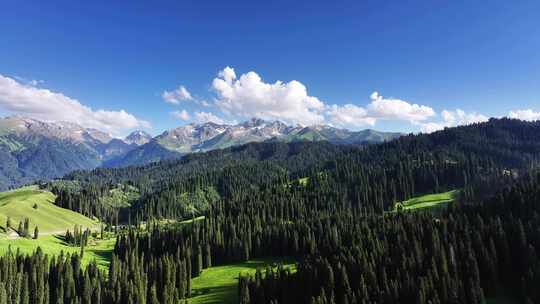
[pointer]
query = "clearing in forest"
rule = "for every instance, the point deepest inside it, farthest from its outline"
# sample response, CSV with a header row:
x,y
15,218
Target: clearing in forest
x,y
427,201
98,250
220,284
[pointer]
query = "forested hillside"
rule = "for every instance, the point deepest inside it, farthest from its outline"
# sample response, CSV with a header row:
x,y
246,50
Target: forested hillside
x,y
173,144
329,207
32,150
473,158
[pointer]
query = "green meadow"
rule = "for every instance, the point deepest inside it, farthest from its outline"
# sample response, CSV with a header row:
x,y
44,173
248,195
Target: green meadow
x,y
98,250
220,284
52,221
428,201
38,206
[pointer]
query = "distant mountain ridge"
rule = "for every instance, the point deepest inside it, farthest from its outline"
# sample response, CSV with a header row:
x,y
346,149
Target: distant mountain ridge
x,y
138,138
32,150
210,136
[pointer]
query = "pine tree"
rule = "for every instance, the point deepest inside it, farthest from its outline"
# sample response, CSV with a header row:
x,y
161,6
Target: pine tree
x,y
26,228
153,295
3,294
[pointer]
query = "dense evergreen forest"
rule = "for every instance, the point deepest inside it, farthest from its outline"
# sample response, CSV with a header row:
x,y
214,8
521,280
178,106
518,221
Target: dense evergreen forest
x,y
327,206
373,178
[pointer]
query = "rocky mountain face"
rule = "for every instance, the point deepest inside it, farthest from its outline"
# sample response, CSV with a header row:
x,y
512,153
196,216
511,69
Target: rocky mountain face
x,y
209,136
33,150
138,138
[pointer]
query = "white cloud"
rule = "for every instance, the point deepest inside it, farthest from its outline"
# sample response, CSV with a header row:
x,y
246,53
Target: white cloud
x,y
452,119
528,115
227,74
249,96
176,96
349,115
459,117
43,104
379,108
430,127
183,115
396,109
204,103
202,117
35,83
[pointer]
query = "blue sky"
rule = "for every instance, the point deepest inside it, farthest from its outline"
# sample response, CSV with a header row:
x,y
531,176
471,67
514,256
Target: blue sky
x,y
107,56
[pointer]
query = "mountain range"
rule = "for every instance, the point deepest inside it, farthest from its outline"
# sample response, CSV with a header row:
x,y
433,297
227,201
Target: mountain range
x,y
32,150
210,136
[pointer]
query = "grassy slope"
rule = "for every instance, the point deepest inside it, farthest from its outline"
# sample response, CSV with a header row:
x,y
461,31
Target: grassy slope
x,y
18,204
50,219
220,284
429,200
99,250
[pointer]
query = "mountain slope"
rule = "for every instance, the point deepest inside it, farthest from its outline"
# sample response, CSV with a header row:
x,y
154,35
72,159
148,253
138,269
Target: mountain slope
x,y
145,154
31,149
137,138
477,159
38,206
210,136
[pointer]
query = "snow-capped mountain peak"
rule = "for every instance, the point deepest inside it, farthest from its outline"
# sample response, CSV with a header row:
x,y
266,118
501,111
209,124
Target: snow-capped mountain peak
x,y
138,138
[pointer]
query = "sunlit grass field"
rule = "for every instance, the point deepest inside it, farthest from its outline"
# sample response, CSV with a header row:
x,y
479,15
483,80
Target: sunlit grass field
x,y
220,284
38,206
52,221
428,200
98,250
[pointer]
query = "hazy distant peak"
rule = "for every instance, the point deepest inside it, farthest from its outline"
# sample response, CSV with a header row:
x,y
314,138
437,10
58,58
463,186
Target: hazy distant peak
x,y
138,138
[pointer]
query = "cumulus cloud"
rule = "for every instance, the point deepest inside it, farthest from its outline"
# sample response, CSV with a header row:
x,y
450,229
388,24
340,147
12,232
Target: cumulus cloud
x,y
396,109
452,119
183,115
528,115
202,117
227,74
379,108
249,96
176,96
43,104
349,115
